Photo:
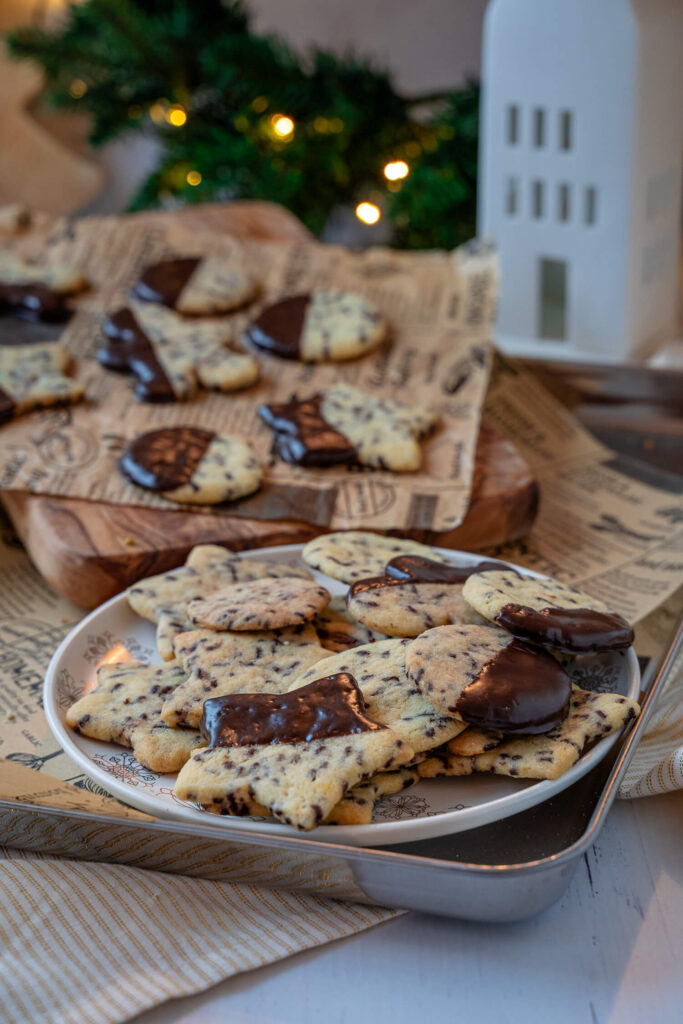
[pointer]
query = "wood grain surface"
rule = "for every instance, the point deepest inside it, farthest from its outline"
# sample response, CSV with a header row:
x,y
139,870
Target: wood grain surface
x,y
89,551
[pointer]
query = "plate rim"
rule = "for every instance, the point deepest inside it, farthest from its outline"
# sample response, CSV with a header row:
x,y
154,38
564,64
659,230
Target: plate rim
x,y
382,833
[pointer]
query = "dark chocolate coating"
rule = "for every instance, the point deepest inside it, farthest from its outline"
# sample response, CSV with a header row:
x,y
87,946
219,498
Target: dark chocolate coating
x,y
164,459
129,350
7,406
277,329
163,282
523,689
327,707
425,570
416,569
34,301
303,437
574,630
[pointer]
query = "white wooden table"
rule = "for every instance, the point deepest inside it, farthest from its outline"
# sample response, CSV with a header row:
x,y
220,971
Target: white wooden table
x,y
609,952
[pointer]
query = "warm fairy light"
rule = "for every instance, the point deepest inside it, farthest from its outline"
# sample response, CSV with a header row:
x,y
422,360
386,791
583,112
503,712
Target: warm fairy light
x,y
193,178
176,116
259,104
282,125
368,213
321,124
395,170
78,88
158,111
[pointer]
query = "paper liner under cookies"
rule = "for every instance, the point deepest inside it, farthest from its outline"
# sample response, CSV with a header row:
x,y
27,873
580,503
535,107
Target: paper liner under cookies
x,y
440,308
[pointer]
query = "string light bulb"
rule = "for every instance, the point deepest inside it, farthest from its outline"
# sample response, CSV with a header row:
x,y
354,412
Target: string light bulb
x,y
283,126
78,88
395,170
158,111
193,178
368,213
176,116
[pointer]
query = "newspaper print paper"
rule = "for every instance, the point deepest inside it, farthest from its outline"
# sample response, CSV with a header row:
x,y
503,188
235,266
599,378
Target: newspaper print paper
x,y
606,523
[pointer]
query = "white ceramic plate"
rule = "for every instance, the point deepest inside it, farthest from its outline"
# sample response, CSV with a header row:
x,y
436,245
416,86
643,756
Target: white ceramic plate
x,y
435,807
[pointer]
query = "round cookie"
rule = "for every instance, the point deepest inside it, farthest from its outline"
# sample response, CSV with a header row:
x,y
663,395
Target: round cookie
x,y
546,612
260,604
164,598
189,465
318,326
404,609
490,679
195,286
415,594
390,696
358,554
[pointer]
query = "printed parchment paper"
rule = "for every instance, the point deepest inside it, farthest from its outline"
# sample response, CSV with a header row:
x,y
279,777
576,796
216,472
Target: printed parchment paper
x,y
439,307
607,523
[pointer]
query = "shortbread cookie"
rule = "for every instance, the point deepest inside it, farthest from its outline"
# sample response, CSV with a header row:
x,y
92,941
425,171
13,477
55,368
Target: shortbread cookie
x,y
345,424
164,598
125,708
591,717
442,762
294,754
549,613
358,554
171,357
199,286
218,664
390,696
14,218
474,741
36,291
34,377
413,595
338,630
357,806
319,326
192,466
260,604
490,679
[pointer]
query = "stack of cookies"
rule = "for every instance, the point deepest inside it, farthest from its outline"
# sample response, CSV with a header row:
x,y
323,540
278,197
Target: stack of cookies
x,y
278,700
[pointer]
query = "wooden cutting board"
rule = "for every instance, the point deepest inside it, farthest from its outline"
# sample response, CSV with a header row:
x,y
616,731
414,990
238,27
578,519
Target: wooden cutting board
x,y
89,551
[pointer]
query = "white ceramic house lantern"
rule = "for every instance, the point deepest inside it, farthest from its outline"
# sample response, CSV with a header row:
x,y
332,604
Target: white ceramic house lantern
x,y
580,172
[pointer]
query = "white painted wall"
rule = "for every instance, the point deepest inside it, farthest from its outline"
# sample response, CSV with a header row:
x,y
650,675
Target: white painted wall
x,y
427,44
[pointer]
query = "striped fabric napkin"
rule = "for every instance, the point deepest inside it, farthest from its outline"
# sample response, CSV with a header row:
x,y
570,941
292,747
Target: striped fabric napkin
x,y
85,943
657,764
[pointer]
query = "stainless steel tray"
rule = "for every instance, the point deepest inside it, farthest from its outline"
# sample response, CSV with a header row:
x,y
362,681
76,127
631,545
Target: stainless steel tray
x,y
501,872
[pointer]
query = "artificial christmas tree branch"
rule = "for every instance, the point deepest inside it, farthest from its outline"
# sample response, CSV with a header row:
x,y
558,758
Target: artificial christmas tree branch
x,y
240,115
